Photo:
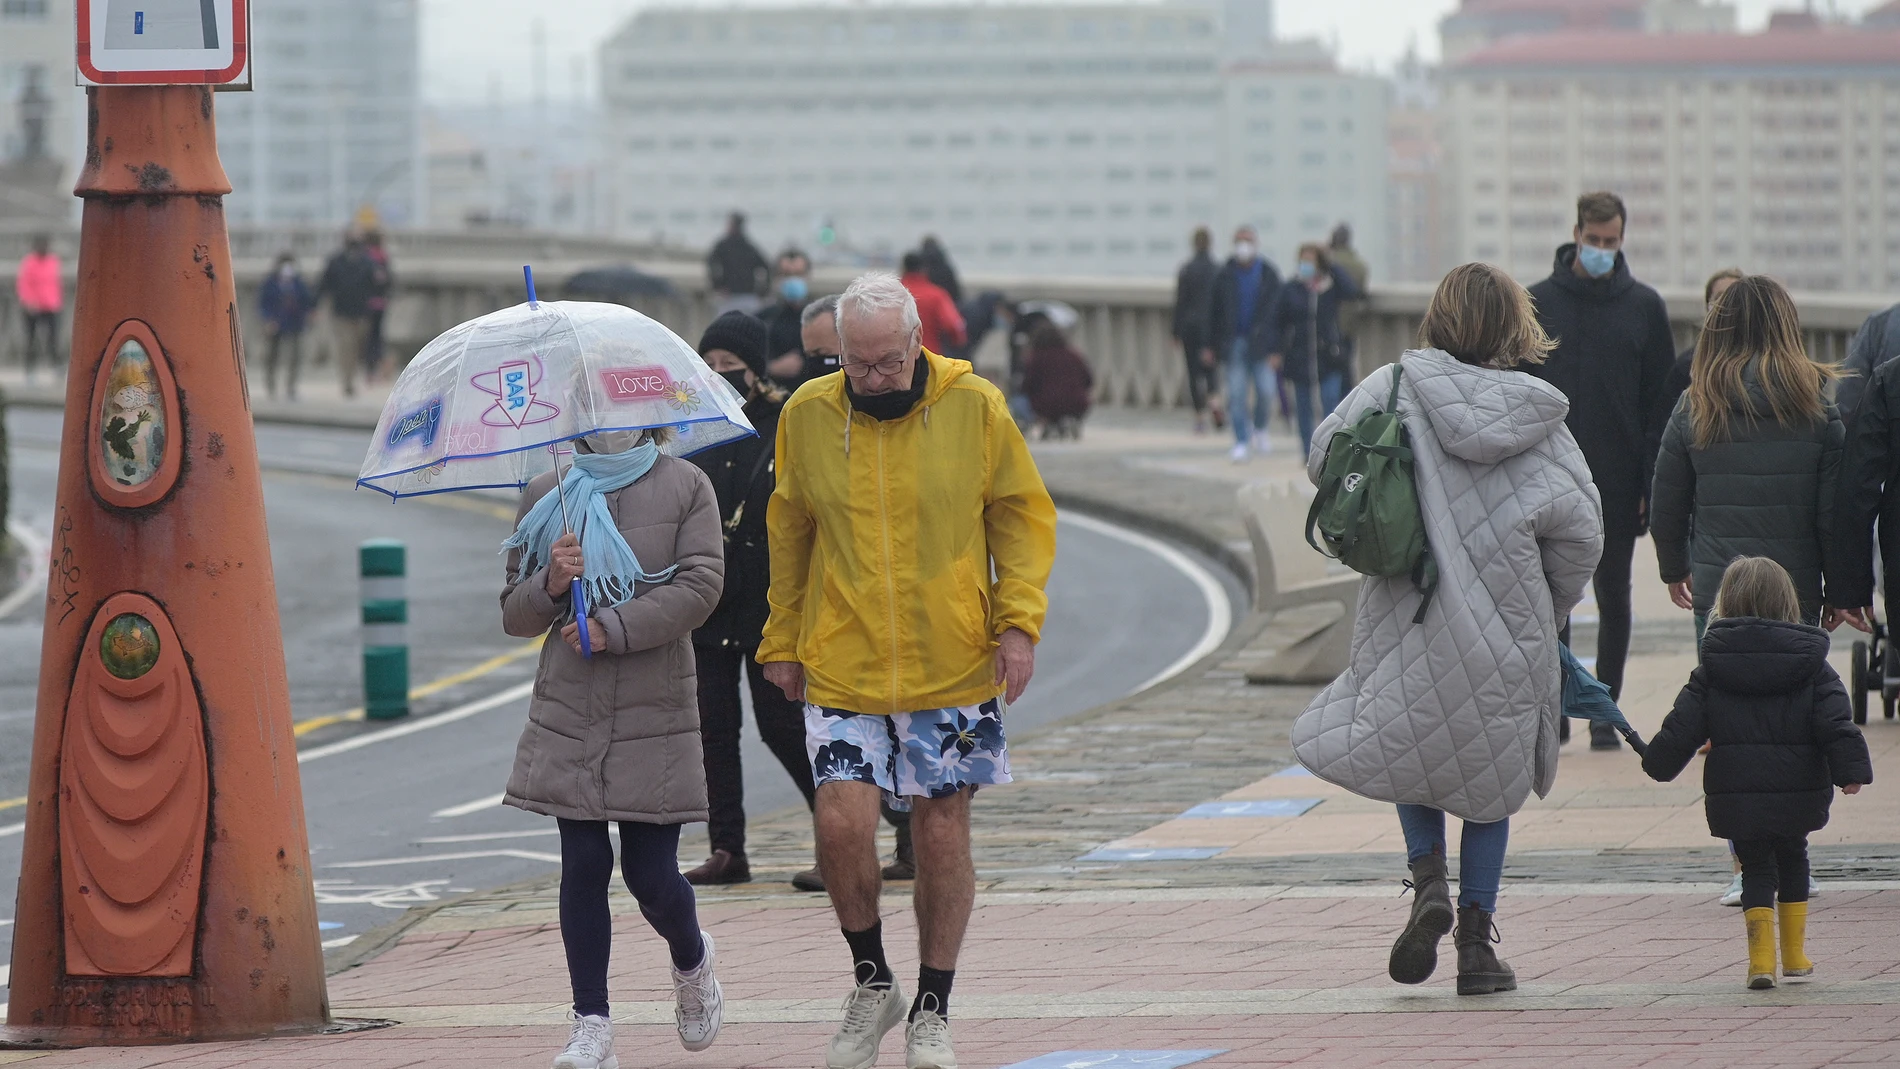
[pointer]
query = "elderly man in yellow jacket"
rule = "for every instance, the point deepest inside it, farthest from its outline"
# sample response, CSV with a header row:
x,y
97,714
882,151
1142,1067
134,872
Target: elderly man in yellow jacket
x,y
911,539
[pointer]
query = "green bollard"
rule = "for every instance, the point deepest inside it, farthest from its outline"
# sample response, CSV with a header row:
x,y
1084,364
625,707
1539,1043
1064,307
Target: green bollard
x,y
385,629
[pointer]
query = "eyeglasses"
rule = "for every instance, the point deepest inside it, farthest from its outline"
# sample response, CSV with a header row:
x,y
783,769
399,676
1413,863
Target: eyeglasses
x,y
890,365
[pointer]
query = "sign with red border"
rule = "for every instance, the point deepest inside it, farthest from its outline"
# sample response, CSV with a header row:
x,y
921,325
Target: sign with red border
x,y
164,42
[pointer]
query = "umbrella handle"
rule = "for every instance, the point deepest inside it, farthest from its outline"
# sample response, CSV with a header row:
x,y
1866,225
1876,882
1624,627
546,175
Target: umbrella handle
x,y
1629,735
577,591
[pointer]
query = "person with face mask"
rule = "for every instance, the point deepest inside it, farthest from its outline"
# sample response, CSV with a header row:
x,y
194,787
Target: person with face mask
x,y
1308,345
1613,360
742,479
1237,318
615,736
791,292
285,302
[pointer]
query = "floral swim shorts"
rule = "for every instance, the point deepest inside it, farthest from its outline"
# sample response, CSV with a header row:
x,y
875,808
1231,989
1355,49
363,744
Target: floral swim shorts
x,y
933,753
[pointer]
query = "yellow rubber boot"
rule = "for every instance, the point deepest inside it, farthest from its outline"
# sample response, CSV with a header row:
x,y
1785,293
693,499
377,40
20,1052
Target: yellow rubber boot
x,y
1761,947
1794,937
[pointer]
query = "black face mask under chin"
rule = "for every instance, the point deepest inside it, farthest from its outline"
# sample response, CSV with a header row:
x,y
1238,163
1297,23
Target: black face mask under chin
x,y
896,404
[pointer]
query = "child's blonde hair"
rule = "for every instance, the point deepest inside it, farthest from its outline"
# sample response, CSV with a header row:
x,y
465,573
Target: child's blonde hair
x,y
1757,586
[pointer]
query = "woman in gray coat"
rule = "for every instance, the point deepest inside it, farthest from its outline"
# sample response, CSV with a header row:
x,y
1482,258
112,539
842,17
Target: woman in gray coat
x,y
1458,712
615,736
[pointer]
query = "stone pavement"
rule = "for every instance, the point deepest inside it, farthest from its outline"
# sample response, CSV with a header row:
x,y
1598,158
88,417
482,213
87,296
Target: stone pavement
x,y
1262,938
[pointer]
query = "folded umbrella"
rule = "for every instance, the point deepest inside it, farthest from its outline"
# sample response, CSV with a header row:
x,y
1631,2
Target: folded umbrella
x,y
1587,698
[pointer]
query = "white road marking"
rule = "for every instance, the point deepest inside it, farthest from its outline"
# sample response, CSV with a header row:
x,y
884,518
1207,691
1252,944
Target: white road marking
x,y
460,712
466,808
525,855
38,564
1220,614
341,941
388,896
483,837
12,829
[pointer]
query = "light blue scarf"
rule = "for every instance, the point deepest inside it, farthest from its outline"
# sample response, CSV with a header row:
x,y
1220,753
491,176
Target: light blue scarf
x,y
612,569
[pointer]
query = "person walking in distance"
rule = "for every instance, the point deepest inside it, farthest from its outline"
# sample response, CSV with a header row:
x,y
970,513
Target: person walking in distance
x,y
1303,328
382,284
41,293
1613,357
1340,251
1237,336
349,280
1450,703
1680,373
791,292
912,538
735,346
1783,737
615,736
284,301
942,322
736,269
1193,293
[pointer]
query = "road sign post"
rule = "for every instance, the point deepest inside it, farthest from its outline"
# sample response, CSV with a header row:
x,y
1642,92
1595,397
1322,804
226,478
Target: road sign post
x,y
165,890
385,629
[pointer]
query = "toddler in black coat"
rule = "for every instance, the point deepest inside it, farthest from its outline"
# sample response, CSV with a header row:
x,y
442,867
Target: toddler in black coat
x,y
1783,737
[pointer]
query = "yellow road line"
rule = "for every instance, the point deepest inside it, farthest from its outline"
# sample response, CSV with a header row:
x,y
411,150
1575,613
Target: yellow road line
x,y
304,727
12,803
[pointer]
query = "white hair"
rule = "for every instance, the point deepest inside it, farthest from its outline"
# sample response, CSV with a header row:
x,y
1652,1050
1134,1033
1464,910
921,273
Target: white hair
x,y
877,291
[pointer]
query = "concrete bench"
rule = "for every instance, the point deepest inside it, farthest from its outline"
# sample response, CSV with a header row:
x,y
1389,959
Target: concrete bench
x,y
1310,597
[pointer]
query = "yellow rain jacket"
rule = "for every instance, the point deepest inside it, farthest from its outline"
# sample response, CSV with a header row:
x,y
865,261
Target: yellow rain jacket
x,y
901,549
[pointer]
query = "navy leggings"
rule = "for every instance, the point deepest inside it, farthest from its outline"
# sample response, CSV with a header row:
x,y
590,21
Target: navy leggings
x,y
649,859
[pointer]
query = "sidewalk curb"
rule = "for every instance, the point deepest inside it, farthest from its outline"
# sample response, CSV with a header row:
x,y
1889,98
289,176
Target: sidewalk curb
x,y
1239,566
271,412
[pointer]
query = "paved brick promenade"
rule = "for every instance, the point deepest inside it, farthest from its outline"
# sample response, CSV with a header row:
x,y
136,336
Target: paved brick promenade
x,y
1270,950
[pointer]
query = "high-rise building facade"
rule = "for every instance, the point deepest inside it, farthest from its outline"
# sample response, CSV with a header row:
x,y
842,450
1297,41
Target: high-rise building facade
x,y
333,125
1777,152
42,115
1079,139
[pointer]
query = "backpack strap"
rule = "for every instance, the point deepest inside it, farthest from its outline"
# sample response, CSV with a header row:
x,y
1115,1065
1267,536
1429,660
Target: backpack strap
x,y
1392,402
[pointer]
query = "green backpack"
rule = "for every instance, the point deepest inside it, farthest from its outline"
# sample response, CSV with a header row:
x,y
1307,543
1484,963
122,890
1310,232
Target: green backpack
x,y
1366,513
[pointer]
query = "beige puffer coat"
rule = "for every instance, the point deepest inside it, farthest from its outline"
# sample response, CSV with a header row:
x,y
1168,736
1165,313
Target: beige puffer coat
x,y
617,737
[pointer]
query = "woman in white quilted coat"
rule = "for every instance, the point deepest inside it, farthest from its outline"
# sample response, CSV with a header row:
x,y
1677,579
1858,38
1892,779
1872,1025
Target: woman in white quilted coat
x,y
1458,713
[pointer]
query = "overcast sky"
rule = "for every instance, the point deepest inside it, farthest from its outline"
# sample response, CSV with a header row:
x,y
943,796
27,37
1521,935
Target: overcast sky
x,y
475,49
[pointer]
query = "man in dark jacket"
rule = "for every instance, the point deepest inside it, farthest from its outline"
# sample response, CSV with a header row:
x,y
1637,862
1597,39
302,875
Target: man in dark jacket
x,y
1876,342
792,291
1869,490
1237,335
742,479
1193,294
1309,346
1613,358
350,281
736,268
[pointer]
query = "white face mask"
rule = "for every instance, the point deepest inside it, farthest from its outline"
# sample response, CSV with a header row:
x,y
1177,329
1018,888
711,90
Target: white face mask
x,y
1243,251
607,443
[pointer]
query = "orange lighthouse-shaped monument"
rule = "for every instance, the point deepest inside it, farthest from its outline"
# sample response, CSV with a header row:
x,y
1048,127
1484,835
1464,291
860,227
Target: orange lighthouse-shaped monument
x,y
165,889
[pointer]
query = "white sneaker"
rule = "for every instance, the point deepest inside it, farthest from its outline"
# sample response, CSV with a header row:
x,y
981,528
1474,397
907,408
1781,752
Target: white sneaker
x,y
1238,454
699,1006
927,1043
1733,896
869,1012
589,1046
1813,888
1262,445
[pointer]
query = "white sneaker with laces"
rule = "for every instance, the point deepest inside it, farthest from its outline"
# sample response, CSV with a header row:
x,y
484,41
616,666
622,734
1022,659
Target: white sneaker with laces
x,y
699,1005
1733,896
927,1042
1262,445
1238,454
869,1012
589,1046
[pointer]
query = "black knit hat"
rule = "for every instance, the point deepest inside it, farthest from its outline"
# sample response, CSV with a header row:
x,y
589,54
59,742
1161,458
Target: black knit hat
x,y
742,335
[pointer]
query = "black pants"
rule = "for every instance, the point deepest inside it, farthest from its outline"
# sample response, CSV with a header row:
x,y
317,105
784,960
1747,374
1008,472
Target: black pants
x,y
42,325
1773,869
1203,381
1611,584
649,860
781,726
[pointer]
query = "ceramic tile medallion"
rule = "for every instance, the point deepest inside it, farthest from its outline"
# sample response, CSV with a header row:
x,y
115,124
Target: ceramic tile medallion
x,y
132,417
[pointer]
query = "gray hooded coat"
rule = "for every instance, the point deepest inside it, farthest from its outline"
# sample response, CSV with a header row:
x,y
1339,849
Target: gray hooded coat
x,y
1459,712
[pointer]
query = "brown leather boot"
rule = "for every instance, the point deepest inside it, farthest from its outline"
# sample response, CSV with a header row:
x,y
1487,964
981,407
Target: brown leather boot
x,y
1415,954
723,866
1479,970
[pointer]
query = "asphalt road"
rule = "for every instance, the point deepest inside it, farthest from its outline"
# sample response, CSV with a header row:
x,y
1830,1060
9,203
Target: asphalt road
x,y
403,813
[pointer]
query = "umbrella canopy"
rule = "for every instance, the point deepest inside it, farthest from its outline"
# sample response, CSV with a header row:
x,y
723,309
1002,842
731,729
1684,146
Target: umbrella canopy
x,y
479,406
616,284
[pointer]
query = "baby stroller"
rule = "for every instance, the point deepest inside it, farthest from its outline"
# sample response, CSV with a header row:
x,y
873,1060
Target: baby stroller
x,y
1874,667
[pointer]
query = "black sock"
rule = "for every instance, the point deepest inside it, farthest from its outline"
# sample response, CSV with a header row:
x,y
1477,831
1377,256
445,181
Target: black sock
x,y
867,954
933,991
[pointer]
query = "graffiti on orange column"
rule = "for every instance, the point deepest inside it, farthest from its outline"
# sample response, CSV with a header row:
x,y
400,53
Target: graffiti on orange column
x,y
134,798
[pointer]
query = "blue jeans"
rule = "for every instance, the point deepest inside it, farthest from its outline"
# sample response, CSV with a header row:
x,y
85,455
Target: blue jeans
x,y
1329,390
1480,852
1243,371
